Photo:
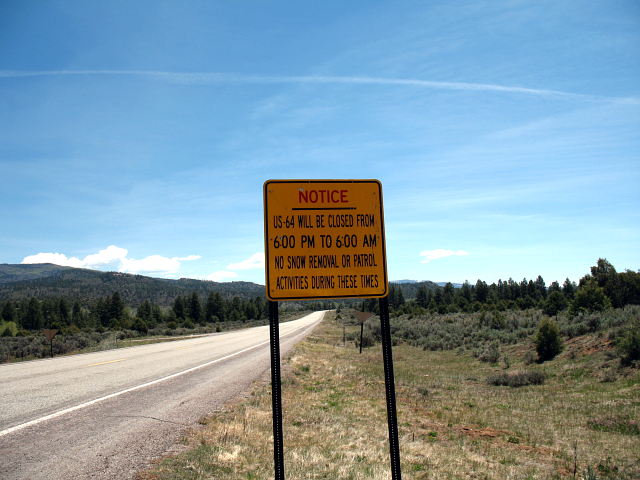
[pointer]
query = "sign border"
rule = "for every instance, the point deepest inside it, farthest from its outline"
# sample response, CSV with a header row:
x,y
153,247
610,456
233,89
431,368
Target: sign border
x,y
266,240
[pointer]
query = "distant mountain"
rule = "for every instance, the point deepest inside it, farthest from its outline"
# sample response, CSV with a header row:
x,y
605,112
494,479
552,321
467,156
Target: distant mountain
x,y
401,282
455,285
16,273
410,288
46,280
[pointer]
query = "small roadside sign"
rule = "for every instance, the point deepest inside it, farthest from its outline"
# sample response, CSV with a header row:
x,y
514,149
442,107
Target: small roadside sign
x,y
363,316
49,334
324,239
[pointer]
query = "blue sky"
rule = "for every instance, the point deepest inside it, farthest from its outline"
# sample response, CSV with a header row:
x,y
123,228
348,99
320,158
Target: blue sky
x,y
136,136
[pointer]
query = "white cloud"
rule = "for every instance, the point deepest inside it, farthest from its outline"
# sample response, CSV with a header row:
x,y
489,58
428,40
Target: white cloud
x,y
253,262
430,255
109,255
55,258
117,258
221,275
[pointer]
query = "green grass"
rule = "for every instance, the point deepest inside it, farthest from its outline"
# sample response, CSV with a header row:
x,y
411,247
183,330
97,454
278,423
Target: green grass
x,y
452,423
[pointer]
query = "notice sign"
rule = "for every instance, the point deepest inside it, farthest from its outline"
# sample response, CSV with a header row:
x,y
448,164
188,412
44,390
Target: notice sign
x,y
324,239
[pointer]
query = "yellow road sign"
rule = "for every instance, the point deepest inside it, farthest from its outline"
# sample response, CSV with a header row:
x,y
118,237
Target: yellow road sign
x,y
324,239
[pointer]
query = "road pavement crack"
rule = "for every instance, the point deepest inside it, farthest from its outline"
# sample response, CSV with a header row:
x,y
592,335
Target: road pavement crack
x,y
150,418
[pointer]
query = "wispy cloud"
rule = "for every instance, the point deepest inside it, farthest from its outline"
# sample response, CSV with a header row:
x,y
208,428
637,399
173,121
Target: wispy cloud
x,y
116,258
430,255
253,262
203,78
222,276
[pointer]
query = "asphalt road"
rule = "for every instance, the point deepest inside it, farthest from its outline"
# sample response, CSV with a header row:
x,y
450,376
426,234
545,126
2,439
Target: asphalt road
x,y
106,415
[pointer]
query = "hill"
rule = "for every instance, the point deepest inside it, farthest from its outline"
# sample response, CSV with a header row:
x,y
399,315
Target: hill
x,y
17,273
46,280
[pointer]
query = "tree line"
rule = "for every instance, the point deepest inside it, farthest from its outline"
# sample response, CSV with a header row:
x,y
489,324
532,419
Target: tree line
x,y
111,313
604,287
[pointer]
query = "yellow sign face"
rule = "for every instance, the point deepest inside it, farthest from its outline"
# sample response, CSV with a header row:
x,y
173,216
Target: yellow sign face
x,y
324,239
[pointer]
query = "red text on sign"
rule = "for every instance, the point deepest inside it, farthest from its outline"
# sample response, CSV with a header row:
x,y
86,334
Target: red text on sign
x,y
322,196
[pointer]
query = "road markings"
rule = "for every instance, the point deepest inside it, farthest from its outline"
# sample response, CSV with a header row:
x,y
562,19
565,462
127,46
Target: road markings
x,y
104,363
139,387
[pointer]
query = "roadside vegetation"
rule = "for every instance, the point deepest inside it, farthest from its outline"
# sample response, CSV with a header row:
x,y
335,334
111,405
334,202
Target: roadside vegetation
x,y
109,323
574,417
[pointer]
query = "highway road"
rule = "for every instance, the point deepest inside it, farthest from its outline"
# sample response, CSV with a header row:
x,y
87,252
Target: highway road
x,y
106,415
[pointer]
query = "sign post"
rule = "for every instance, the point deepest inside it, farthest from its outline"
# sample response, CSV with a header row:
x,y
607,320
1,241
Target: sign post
x,y
362,316
325,239
49,334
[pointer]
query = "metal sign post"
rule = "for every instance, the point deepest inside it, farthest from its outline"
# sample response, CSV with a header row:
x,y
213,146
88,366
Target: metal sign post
x,y
362,316
276,394
49,334
390,390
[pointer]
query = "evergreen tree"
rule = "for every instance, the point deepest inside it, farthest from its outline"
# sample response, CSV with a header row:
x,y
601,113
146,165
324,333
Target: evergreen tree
x,y
422,298
144,311
179,308
540,287
590,297
195,310
481,291
33,319
569,289
447,293
77,318
63,312
548,341
116,307
214,307
9,313
554,303
554,287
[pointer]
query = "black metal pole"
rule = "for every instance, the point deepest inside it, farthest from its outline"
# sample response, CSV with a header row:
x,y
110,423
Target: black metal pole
x,y
276,394
389,381
361,332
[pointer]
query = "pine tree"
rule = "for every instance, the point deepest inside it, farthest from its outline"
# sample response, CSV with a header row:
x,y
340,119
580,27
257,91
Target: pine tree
x,y
421,297
548,341
116,307
179,308
9,313
195,310
33,319
77,318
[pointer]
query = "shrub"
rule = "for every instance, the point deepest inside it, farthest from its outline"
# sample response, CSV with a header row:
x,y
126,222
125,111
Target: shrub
x,y
8,329
529,358
622,425
629,347
548,341
519,379
491,354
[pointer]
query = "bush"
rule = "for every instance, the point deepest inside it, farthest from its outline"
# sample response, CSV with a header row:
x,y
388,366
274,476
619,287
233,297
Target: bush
x,y
548,341
491,354
519,379
626,426
8,329
629,347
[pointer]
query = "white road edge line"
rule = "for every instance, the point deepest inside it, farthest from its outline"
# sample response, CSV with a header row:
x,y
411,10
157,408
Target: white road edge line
x,y
132,389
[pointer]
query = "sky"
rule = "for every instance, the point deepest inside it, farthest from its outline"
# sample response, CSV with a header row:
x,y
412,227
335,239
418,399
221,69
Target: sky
x,y
136,136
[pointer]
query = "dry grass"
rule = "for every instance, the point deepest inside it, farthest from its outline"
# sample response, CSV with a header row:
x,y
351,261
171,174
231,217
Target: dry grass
x,y
453,425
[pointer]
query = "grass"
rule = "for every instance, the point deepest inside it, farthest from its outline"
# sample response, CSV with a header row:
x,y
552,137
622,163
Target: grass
x,y
452,423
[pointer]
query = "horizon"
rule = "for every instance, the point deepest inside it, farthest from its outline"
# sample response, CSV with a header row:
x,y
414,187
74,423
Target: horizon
x,y
398,281
136,138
